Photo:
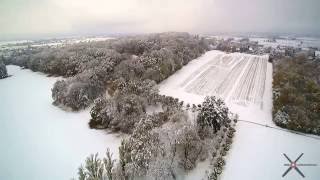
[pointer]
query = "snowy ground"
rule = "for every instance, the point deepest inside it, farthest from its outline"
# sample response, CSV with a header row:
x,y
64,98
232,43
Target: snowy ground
x,y
50,42
245,83
303,42
38,140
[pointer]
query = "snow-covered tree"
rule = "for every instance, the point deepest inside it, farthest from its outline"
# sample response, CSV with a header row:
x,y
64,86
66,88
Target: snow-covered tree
x,y
212,115
281,118
108,163
96,168
3,70
138,150
102,113
93,169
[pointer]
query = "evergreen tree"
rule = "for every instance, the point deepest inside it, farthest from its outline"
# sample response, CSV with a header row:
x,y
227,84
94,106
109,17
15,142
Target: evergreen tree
x,y
3,70
213,114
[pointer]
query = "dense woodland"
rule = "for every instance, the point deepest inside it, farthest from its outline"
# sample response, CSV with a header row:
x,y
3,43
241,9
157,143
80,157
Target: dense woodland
x,y
91,68
165,145
296,94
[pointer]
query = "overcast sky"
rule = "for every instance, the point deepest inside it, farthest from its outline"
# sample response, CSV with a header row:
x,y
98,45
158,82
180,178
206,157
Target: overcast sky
x,y
41,18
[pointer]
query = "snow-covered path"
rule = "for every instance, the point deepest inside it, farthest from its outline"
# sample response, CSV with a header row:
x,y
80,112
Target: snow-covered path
x,y
245,82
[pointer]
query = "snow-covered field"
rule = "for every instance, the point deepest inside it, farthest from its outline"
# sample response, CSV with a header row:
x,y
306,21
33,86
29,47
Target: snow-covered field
x,y
72,41
245,83
234,77
303,42
39,141
237,78
53,42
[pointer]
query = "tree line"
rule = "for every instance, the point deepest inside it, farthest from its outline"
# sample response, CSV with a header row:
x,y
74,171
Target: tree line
x,y
165,145
3,70
89,68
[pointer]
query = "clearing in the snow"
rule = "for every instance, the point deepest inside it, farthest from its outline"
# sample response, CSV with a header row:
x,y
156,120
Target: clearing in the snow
x,y
237,78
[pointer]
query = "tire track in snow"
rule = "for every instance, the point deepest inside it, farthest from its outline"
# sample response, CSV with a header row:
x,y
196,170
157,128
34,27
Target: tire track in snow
x,y
280,129
197,72
239,78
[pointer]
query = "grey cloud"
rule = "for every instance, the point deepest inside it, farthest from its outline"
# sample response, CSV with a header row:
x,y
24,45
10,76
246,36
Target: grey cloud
x,y
40,17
